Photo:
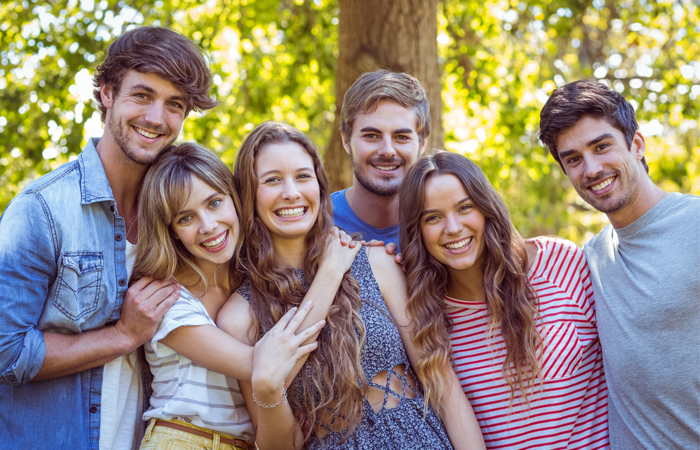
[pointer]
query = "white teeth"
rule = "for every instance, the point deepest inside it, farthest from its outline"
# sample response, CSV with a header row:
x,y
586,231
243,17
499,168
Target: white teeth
x,y
294,212
145,133
386,167
215,243
461,244
603,185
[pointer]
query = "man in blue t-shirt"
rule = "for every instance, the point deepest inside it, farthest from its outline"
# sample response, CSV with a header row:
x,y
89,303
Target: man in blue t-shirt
x,y
384,123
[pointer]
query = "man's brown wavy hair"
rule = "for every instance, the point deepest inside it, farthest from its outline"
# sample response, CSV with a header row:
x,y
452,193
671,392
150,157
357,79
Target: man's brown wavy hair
x,y
160,51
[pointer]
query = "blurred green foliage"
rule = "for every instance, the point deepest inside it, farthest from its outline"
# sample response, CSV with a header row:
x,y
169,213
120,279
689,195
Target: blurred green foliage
x,y
275,59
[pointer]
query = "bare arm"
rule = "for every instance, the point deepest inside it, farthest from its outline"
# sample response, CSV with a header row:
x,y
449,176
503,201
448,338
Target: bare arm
x,y
336,261
276,354
459,419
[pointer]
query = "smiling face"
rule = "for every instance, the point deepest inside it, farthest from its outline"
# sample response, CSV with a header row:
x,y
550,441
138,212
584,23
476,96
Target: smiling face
x,y
383,145
207,225
451,227
288,195
145,117
605,172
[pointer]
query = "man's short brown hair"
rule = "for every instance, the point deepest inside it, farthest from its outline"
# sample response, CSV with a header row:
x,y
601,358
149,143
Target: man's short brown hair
x,y
373,87
160,51
572,102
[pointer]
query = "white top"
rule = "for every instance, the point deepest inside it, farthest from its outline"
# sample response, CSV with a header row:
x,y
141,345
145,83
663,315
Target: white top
x,y
121,427
185,391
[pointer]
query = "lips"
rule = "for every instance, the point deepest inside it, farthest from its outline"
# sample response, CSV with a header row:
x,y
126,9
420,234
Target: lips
x,y
215,243
288,213
459,245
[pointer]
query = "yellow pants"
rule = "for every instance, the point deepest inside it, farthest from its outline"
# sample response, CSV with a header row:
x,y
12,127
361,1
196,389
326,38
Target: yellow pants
x,y
163,438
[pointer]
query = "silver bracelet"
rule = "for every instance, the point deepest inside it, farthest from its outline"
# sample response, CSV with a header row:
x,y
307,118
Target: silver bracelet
x,y
284,397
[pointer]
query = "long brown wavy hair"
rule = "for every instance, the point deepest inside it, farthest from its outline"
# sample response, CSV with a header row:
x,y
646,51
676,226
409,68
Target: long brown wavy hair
x,y
332,377
512,302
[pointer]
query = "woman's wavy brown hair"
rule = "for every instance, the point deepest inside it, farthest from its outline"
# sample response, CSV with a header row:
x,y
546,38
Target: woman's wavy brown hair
x,y
332,377
512,302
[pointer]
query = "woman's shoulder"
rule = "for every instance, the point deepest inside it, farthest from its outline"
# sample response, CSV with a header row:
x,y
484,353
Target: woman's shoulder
x,y
557,259
244,289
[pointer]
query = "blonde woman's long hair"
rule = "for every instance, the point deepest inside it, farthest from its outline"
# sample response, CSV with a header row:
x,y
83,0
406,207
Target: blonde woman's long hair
x,y
165,192
512,303
333,376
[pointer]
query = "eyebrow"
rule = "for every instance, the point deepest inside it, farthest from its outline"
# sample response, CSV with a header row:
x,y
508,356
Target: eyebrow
x,y
430,211
375,130
301,169
590,143
150,90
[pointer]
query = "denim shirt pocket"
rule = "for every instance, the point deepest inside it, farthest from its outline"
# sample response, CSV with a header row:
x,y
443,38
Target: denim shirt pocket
x,y
78,285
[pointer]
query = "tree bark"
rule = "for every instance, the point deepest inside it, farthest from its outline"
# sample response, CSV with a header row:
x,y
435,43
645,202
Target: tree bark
x,y
398,35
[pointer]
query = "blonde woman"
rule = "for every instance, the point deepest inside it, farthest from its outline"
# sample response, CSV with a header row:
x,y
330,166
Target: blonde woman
x,y
189,229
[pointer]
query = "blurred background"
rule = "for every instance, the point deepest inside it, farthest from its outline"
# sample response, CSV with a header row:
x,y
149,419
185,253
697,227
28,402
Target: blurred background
x,y
488,67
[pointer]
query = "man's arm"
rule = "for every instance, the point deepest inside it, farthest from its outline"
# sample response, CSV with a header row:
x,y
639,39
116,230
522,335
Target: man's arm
x,y
29,252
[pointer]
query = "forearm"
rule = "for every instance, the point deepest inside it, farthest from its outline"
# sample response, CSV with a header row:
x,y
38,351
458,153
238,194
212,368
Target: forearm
x,y
322,292
72,353
276,427
458,416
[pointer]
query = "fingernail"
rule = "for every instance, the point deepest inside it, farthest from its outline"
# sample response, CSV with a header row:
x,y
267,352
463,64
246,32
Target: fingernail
x,y
294,309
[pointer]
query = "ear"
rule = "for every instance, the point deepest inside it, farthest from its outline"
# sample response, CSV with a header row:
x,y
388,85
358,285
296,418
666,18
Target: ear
x,y
346,146
638,146
423,146
106,94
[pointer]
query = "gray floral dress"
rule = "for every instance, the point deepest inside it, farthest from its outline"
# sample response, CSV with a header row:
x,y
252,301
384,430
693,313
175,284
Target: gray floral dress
x,y
399,428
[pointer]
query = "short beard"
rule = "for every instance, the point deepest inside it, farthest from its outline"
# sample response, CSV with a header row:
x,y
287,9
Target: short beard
x,y
366,183
116,128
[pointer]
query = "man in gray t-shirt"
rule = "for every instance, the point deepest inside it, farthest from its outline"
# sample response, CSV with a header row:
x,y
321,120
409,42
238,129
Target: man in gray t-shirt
x,y
645,268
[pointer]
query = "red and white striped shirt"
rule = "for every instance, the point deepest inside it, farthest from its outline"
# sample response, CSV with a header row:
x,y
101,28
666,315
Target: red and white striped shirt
x,y
569,410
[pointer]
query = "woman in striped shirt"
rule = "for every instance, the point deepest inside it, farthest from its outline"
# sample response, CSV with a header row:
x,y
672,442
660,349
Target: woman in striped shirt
x,y
189,229
516,317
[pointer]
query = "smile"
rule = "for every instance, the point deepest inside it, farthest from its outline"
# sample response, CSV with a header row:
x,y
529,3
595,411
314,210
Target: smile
x,y
291,212
385,168
146,133
459,245
602,185
215,242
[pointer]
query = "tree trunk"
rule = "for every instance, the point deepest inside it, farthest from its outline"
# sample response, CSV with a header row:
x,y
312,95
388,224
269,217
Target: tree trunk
x,y
398,35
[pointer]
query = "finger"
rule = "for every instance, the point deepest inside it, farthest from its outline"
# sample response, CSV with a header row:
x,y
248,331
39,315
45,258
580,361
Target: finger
x,y
149,298
299,316
167,303
282,323
391,248
305,349
373,243
398,258
311,331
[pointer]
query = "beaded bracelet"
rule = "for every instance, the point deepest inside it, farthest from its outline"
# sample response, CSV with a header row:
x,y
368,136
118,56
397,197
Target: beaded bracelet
x,y
284,397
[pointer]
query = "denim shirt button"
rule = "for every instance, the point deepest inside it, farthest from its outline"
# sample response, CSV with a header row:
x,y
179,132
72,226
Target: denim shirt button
x,y
122,282
93,409
118,237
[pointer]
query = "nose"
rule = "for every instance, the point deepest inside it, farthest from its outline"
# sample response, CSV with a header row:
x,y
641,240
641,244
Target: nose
x,y
453,225
207,224
155,114
386,147
290,190
591,166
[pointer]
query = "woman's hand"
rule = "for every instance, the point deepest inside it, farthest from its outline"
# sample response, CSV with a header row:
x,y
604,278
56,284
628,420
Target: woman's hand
x,y
278,351
340,252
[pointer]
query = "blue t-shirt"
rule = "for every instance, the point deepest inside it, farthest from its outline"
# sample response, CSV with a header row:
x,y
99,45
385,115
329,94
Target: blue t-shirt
x,y
346,219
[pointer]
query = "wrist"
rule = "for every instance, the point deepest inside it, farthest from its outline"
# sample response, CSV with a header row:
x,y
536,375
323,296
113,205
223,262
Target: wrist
x,y
330,273
267,394
125,343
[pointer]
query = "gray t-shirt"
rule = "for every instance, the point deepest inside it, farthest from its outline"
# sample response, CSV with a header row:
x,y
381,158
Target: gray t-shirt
x,y
646,280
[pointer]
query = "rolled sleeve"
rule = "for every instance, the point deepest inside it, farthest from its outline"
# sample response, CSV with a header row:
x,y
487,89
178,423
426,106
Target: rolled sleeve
x,y
27,269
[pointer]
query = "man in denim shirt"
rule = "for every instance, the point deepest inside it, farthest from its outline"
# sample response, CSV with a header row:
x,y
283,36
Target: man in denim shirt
x,y
67,307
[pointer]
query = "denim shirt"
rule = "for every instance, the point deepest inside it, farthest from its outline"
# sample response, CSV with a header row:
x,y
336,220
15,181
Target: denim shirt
x,y
62,269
